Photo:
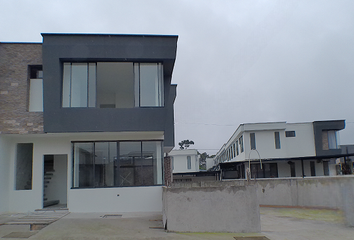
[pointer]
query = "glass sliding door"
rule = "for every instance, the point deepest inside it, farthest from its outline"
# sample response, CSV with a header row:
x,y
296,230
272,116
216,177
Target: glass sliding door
x,y
105,155
129,160
117,164
83,165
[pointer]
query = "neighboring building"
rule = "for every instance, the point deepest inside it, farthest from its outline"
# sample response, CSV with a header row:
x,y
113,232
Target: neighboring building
x,y
345,164
209,163
184,160
280,149
85,120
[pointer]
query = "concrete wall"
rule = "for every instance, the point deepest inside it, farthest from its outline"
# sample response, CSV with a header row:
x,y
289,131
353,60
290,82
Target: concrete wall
x,y
217,208
309,192
330,192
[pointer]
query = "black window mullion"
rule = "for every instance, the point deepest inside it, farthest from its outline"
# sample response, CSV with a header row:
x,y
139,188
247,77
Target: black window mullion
x,y
141,160
73,165
94,164
139,84
87,84
71,78
117,170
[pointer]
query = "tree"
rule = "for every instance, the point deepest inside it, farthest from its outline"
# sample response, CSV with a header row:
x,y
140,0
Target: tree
x,y
202,159
185,144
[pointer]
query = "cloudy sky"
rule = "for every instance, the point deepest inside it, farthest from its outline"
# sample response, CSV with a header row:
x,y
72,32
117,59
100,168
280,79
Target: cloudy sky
x,y
238,61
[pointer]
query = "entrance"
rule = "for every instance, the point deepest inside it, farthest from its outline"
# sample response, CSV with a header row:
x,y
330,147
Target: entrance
x,y
55,180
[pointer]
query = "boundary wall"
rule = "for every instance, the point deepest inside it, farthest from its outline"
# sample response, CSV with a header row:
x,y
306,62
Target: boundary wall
x,y
211,207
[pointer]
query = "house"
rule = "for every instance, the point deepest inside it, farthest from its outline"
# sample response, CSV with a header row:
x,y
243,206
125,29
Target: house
x,y
345,164
85,120
184,160
281,149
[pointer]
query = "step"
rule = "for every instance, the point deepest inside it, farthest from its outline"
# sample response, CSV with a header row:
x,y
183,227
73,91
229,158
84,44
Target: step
x,y
50,203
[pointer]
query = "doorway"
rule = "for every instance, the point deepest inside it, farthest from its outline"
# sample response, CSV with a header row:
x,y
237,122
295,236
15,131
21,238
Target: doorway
x,y
55,168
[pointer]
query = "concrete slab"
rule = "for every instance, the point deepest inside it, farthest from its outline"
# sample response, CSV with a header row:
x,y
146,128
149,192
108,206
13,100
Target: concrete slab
x,y
19,235
294,224
277,224
128,226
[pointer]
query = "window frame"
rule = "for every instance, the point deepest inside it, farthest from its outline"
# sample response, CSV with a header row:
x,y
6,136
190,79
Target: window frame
x,y
118,148
277,140
189,162
91,101
290,134
241,144
253,141
20,171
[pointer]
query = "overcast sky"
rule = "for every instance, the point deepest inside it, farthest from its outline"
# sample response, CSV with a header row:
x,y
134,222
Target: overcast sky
x,y
238,61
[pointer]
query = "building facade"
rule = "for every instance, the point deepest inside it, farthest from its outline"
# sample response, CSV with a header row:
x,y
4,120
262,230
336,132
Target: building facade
x,y
184,160
280,149
85,120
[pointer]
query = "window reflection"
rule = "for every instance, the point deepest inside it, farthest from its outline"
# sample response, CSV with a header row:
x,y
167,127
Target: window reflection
x,y
109,164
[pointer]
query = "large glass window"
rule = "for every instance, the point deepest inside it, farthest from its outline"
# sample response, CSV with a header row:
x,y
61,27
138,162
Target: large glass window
x,y
117,164
24,163
113,85
268,170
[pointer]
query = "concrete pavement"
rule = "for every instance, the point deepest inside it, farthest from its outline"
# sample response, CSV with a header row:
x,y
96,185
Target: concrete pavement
x,y
277,224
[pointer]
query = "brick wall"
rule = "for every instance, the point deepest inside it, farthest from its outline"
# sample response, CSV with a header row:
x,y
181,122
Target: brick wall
x,y
14,88
168,171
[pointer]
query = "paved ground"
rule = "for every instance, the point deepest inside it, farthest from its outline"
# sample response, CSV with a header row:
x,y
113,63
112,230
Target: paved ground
x,y
277,224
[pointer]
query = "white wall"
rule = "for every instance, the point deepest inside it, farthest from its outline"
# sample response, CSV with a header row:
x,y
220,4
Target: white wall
x,y
303,144
29,200
4,174
77,199
209,162
299,146
126,199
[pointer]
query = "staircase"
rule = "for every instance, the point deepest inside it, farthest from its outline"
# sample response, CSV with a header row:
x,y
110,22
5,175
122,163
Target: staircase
x,y
48,175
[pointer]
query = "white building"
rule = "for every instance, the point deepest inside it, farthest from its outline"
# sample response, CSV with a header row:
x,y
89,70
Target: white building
x,y
280,149
184,160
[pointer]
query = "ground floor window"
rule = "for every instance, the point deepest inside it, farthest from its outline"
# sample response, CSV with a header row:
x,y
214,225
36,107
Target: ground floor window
x,y
117,164
24,164
268,170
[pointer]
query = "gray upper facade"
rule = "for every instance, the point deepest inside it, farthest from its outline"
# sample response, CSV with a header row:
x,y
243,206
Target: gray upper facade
x,y
91,83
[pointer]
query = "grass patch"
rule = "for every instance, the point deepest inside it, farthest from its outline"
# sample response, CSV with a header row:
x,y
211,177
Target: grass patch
x,y
305,213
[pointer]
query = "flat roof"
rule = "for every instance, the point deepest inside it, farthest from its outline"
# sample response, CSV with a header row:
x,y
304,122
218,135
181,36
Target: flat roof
x,y
108,34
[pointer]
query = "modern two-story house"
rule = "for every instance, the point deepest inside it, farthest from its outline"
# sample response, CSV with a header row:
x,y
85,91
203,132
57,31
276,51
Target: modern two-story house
x,y
280,149
85,120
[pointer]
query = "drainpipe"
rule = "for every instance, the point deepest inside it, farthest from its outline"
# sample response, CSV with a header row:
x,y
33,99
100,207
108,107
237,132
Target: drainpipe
x,y
302,167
